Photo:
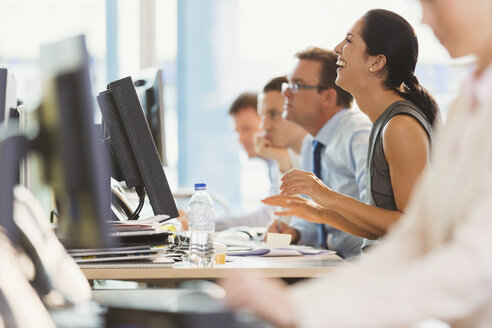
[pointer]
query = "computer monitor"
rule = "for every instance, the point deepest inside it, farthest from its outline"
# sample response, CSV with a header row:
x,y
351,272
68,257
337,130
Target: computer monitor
x,y
150,90
134,152
14,146
75,164
8,99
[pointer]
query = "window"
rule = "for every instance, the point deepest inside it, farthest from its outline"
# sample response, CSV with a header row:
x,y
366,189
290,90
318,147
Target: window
x,y
25,25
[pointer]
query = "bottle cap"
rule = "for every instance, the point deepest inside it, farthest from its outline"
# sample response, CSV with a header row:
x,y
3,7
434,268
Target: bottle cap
x,y
200,186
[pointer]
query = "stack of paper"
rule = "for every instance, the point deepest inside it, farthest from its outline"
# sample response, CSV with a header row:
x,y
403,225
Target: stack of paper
x,y
113,254
140,232
136,242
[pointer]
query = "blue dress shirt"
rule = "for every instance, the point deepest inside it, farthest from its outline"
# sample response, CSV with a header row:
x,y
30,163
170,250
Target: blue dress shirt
x,y
343,168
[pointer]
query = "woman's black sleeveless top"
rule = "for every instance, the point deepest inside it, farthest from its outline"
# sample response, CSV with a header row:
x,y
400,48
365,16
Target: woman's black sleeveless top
x,y
380,190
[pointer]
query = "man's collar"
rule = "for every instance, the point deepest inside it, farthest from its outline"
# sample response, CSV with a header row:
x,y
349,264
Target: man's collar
x,y
326,132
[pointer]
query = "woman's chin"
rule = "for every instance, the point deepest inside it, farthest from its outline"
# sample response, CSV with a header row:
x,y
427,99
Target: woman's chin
x,y
340,81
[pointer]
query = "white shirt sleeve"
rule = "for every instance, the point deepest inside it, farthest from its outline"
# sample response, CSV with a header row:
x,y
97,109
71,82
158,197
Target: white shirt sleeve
x,y
399,283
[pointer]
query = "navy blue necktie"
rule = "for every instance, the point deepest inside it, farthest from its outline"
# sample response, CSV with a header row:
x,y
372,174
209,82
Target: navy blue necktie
x,y
317,149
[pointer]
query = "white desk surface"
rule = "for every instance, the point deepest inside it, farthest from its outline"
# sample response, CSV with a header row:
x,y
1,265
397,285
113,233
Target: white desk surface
x,y
272,267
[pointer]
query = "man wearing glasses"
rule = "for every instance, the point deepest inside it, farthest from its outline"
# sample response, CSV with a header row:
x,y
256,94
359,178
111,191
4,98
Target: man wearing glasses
x,y
278,142
280,139
336,149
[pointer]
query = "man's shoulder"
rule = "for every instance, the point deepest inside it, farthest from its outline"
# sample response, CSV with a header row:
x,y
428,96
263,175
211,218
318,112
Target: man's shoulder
x,y
353,121
355,117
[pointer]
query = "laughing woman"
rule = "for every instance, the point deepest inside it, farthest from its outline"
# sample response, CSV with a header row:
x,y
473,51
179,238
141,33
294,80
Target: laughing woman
x,y
377,62
435,263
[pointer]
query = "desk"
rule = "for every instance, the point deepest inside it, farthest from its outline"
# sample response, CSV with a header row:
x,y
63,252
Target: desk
x,y
173,308
272,267
155,307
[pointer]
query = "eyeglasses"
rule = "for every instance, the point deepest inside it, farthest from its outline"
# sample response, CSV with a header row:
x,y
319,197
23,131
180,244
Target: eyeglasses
x,y
294,87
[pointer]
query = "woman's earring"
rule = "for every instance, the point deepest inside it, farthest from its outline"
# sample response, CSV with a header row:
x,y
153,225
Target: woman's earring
x,y
370,69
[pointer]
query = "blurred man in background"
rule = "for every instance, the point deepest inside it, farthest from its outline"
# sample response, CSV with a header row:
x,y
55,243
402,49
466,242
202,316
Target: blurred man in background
x,y
280,140
247,124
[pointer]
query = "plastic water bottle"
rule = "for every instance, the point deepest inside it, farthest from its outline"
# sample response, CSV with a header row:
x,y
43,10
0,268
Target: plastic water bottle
x,y
201,220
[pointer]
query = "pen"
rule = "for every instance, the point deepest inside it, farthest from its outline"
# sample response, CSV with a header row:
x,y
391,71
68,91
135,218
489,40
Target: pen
x,y
279,220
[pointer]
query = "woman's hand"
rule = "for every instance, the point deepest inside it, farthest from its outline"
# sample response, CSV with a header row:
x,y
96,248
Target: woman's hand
x,y
297,206
302,182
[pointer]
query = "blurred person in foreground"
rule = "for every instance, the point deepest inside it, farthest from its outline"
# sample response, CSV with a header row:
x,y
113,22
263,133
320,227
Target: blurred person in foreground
x,y
435,262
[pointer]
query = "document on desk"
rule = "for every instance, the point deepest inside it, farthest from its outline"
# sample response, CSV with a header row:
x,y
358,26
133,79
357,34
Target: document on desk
x,y
143,226
282,251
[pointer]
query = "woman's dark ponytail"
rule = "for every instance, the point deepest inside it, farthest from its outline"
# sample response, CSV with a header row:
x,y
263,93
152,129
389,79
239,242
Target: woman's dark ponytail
x,y
389,34
411,89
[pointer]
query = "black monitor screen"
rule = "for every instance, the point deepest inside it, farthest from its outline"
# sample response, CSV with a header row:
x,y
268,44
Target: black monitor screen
x,y
8,99
150,90
13,147
75,165
133,148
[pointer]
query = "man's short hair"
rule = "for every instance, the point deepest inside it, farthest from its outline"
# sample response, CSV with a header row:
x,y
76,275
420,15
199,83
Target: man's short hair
x,y
275,84
244,100
328,72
